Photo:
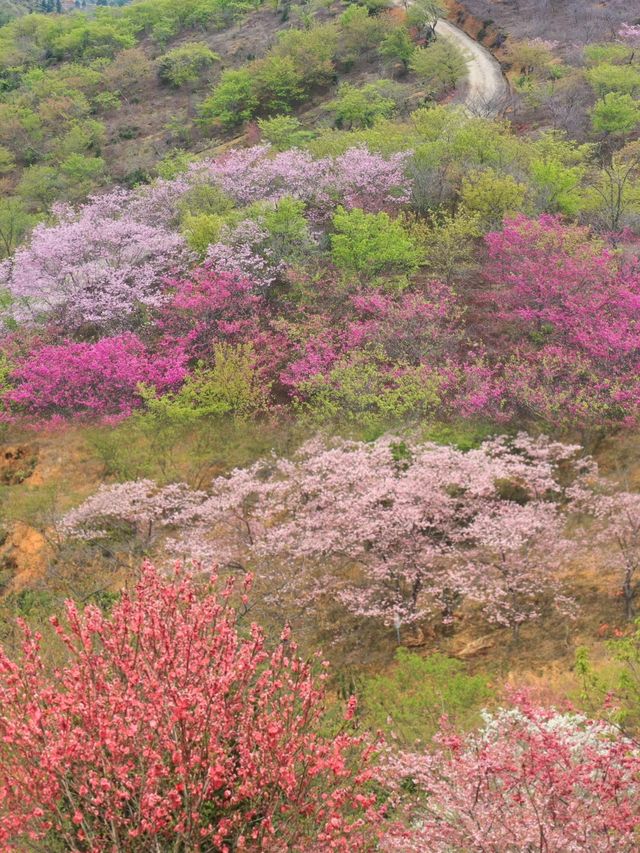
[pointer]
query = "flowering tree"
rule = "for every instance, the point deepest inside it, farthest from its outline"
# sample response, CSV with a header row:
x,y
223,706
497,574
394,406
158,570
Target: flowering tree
x,y
166,728
209,307
630,33
571,308
517,549
98,379
422,522
244,251
530,779
615,524
140,506
355,179
98,267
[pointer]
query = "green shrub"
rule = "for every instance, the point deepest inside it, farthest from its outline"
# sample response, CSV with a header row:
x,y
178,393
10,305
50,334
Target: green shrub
x,y
371,245
407,703
311,51
616,113
492,196
612,52
605,78
200,230
106,102
185,64
397,46
233,101
360,107
361,392
229,387
359,31
283,132
441,65
174,163
15,223
7,161
278,83
205,198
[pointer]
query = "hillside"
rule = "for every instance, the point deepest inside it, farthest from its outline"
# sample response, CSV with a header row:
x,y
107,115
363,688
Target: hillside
x,y
320,418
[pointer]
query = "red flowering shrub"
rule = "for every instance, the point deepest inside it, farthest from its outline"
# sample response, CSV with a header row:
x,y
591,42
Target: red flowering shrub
x,y
530,779
169,728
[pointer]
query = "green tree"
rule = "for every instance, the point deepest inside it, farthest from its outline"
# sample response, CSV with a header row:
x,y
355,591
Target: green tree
x,y
283,132
449,244
372,245
441,65
186,64
424,15
492,196
605,78
278,83
358,108
288,229
7,161
15,223
200,230
616,114
397,46
614,188
233,101
359,31
311,51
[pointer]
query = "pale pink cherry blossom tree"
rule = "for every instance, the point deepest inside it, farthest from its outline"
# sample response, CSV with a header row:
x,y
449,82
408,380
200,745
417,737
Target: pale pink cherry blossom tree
x,y
98,267
515,557
415,520
613,522
139,507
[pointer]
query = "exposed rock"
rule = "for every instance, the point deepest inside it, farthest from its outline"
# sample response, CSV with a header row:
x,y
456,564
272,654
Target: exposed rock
x,y
16,463
23,556
476,648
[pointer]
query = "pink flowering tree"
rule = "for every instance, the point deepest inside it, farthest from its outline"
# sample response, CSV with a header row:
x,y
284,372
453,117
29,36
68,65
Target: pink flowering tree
x,y
611,519
166,727
530,779
630,34
419,522
571,309
139,509
87,380
99,267
208,307
244,251
357,178
516,552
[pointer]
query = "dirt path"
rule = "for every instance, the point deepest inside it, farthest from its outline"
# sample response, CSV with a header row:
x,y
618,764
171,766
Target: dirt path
x,y
486,90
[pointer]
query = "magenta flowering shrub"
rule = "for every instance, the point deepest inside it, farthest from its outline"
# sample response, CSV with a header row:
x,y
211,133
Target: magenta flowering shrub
x,y
209,307
565,323
91,380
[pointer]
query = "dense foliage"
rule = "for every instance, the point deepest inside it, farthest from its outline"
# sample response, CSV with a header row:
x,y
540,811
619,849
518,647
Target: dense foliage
x,y
170,725
294,303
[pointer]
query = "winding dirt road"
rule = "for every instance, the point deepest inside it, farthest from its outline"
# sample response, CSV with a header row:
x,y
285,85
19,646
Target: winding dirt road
x,y
486,89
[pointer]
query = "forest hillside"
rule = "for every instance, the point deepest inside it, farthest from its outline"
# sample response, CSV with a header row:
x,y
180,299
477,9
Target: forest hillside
x,y
320,426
